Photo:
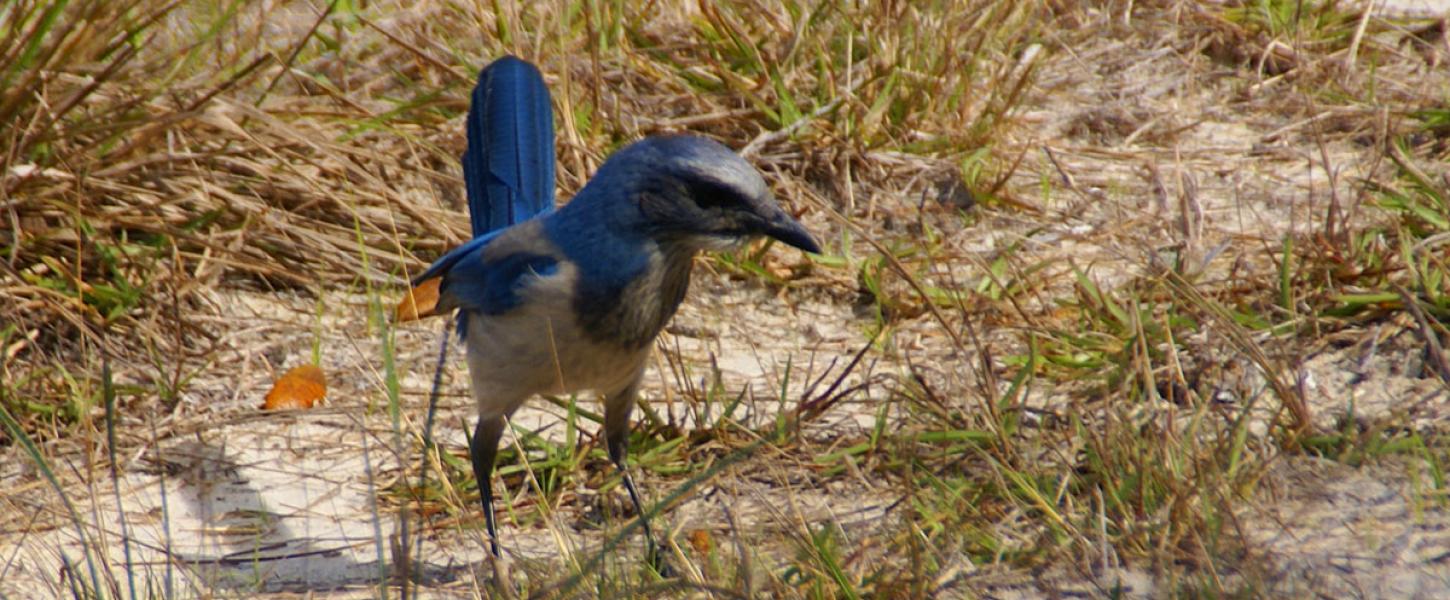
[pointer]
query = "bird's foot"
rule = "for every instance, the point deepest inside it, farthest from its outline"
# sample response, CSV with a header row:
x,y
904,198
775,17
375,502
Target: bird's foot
x,y
504,583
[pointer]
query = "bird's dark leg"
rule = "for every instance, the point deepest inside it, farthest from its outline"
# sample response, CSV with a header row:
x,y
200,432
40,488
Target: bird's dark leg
x,y
616,435
616,454
484,449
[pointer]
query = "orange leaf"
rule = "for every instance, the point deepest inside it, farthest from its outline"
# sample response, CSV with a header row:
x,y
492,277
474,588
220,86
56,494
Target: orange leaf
x,y
301,387
700,541
420,302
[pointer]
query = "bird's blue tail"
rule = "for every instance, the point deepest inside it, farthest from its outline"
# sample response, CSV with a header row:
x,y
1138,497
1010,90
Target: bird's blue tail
x,y
508,167
509,163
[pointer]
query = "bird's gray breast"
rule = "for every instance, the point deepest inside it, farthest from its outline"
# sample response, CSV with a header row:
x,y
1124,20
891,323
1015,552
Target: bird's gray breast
x,y
542,347
631,313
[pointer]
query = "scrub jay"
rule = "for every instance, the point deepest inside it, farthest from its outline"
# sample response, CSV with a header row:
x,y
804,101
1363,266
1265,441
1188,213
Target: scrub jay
x,y
558,302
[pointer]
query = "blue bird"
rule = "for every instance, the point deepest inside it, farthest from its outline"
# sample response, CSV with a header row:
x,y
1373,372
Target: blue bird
x,y
559,302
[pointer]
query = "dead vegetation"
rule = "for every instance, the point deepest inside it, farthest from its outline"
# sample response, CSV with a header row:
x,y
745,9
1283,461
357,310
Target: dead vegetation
x,y
1107,287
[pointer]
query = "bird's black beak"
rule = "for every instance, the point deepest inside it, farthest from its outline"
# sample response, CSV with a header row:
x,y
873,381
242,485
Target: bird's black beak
x,y
783,228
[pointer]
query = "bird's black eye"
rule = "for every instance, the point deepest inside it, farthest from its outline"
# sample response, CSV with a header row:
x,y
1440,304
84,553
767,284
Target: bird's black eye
x,y
715,195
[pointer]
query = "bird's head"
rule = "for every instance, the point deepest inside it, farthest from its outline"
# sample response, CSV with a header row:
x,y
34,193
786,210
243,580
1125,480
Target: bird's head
x,y
695,191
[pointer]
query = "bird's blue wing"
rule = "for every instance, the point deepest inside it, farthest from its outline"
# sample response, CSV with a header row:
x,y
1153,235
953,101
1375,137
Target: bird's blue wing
x,y
509,164
445,263
491,287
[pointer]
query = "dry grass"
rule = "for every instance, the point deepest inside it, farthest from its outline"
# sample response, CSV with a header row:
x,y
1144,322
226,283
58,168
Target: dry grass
x,y
1093,276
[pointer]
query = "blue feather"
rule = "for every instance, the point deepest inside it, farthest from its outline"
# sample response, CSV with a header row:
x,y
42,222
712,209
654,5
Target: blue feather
x,y
509,164
508,169
445,263
493,288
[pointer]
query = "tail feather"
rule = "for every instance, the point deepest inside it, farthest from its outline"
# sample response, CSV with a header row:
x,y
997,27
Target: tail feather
x,y
509,164
508,168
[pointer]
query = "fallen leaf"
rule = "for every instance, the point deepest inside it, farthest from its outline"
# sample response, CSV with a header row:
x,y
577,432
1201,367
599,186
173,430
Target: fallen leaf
x,y
301,387
420,302
700,541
